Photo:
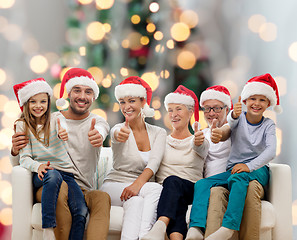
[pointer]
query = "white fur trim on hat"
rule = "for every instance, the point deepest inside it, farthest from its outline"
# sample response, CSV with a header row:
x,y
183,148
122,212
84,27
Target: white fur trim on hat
x,y
33,88
259,88
85,81
178,99
147,111
215,95
129,90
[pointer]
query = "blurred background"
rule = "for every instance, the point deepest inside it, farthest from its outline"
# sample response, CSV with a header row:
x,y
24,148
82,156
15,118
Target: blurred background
x,y
197,43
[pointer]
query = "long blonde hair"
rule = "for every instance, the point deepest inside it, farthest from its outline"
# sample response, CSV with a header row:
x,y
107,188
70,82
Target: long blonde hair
x,y
30,123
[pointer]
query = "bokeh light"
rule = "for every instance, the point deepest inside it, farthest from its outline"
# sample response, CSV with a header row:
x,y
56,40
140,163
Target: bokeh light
x,y
154,7
135,19
82,51
170,44
293,51
281,85
12,109
156,102
268,32
2,76
107,27
151,27
186,60
158,35
39,64
3,101
116,107
190,18
6,3
152,79
104,4
6,216
12,32
157,115
144,40
106,82
97,73
56,91
95,32
180,31
5,166
100,113
85,2
124,72
164,74
255,22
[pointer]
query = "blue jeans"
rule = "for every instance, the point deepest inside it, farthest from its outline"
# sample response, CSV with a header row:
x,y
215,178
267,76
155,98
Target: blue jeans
x,y
51,183
237,184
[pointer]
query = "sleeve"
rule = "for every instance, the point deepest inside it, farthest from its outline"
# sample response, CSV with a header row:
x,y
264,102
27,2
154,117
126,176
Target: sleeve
x,y
231,121
14,160
115,128
269,152
157,150
201,150
102,127
26,158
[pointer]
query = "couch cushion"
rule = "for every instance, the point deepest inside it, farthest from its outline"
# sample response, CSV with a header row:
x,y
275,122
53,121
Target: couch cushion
x,y
116,218
36,219
268,217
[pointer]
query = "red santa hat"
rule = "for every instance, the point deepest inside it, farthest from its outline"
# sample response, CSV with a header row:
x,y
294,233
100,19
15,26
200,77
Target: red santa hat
x,y
136,87
183,95
219,93
27,89
76,76
263,85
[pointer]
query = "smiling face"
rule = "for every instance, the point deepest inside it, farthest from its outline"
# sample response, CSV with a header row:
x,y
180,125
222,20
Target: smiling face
x,y
256,105
179,116
221,116
81,98
38,105
131,107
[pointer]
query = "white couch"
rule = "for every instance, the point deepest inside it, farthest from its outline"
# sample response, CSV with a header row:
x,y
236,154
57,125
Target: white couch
x,y
276,222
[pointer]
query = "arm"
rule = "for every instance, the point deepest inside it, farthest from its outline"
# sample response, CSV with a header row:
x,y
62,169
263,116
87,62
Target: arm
x,y
135,187
201,150
269,151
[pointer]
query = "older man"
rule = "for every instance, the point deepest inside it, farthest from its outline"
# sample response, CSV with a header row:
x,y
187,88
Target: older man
x,y
216,103
86,133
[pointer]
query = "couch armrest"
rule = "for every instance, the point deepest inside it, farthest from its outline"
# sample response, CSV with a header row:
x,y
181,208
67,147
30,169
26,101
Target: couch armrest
x,y
280,195
22,202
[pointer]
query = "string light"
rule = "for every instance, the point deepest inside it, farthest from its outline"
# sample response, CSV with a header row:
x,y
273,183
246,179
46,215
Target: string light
x,y
180,32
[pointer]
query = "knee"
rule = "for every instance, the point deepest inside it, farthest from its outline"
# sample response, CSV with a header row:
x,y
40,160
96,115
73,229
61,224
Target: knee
x,y
171,181
219,194
255,192
134,202
238,177
96,198
52,177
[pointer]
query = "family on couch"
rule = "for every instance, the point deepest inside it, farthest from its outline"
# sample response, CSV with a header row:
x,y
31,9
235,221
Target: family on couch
x,y
142,154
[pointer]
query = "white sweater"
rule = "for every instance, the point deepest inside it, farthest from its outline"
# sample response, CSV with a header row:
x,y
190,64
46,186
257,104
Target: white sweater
x,y
127,161
183,159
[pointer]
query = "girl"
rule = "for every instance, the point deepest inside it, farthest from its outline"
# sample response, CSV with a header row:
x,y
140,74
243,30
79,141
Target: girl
x,y
46,156
181,166
138,148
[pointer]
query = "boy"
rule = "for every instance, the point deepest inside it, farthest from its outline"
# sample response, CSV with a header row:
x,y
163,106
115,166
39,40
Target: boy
x,y
253,147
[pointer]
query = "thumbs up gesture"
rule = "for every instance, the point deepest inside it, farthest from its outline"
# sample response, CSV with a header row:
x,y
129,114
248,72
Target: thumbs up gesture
x,y
123,134
62,133
198,135
237,108
95,137
216,133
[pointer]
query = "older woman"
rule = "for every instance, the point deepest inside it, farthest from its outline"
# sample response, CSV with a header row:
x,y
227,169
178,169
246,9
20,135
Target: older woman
x,y
138,148
181,166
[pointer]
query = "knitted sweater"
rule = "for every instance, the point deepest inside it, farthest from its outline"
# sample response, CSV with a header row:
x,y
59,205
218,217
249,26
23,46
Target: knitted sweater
x,y
183,159
127,162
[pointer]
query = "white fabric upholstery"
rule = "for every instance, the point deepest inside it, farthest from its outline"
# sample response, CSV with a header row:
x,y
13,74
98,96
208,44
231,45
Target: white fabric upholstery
x,y
276,222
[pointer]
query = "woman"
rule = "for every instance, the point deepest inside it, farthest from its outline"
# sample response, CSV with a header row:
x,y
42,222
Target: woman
x,y
138,149
181,167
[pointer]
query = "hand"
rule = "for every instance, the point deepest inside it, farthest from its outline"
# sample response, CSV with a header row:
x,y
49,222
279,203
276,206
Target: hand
x,y
62,133
95,137
123,134
237,108
240,167
130,191
19,140
43,169
216,133
198,135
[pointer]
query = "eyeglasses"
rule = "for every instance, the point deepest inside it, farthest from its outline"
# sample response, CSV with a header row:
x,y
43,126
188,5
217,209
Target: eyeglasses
x,y
215,109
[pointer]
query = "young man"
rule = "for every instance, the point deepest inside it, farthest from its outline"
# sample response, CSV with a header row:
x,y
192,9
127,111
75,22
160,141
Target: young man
x,y
86,133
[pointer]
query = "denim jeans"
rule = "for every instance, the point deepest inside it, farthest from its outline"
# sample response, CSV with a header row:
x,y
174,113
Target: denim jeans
x,y
51,186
